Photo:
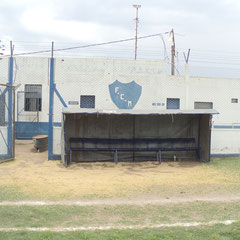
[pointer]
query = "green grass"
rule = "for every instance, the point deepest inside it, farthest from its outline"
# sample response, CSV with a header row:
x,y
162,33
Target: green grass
x,y
216,232
232,164
71,216
10,193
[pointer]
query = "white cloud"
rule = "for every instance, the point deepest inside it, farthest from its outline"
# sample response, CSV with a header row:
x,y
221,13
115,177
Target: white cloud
x,y
44,21
235,3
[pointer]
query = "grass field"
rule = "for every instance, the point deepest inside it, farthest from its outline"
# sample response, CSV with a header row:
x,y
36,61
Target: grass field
x,y
119,215
217,232
118,196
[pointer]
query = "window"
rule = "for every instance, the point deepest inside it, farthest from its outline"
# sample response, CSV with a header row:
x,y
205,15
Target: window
x,y
2,110
87,101
203,105
33,98
173,103
234,100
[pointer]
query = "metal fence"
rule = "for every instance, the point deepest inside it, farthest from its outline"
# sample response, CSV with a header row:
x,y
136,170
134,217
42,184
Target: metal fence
x,y
28,107
6,123
7,109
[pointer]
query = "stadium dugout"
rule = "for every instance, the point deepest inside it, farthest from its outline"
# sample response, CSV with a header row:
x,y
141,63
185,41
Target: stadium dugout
x,y
135,135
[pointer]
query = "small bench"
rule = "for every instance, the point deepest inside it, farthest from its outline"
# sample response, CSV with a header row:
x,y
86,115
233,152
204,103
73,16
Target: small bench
x,y
112,145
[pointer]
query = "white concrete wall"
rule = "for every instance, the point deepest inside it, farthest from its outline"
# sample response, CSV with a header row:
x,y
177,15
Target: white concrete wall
x,y
225,141
4,62
75,77
220,92
3,146
57,140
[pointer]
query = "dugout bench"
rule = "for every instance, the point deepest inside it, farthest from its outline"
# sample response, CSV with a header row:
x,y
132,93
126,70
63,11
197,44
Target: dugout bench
x,y
133,145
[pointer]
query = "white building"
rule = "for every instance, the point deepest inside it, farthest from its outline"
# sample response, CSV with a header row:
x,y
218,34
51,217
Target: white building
x,y
112,84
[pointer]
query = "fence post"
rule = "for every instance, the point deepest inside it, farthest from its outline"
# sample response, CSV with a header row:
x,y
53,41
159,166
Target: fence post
x,y
10,104
50,119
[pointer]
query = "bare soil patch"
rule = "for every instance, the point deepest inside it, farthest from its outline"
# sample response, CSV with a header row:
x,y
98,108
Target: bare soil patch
x,y
36,178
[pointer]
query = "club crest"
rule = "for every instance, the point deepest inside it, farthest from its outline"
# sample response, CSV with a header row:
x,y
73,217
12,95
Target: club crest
x,y
125,95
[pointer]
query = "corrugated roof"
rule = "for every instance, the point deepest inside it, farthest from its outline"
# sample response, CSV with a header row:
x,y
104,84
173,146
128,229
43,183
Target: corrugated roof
x,y
137,112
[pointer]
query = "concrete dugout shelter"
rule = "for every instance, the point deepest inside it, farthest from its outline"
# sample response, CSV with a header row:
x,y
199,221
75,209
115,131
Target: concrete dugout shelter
x,y
170,131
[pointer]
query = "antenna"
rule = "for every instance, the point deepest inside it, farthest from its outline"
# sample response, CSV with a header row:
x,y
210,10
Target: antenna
x,y
137,20
172,39
186,57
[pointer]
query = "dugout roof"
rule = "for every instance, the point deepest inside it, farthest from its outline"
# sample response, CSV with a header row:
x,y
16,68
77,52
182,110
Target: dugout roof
x,y
137,112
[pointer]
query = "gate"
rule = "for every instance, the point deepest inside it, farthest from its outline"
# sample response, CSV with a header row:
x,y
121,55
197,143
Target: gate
x,y
6,123
27,124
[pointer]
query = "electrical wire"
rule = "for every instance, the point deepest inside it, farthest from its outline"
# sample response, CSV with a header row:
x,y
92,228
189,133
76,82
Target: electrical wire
x,y
198,58
89,45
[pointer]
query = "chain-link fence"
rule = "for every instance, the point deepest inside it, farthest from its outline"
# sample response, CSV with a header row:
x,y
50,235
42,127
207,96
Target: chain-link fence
x,y
31,75
112,84
6,123
28,108
6,111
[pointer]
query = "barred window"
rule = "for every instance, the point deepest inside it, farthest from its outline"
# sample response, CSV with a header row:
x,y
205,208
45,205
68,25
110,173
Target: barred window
x,y
33,98
203,105
173,103
87,101
234,100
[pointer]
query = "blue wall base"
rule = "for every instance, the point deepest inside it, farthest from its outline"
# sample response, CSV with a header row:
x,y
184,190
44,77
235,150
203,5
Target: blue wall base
x,y
5,156
30,129
27,130
220,155
55,157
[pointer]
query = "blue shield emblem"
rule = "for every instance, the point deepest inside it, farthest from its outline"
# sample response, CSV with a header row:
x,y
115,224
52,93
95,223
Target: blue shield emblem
x,y
125,95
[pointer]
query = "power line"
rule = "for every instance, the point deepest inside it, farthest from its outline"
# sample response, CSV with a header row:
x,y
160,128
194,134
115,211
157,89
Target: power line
x,y
89,45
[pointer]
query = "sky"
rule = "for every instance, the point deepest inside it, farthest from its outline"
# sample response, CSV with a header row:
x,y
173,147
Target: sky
x,y
208,27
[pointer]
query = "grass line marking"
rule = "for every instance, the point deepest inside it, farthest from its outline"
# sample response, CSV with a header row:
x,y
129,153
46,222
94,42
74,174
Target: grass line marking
x,y
114,202
92,228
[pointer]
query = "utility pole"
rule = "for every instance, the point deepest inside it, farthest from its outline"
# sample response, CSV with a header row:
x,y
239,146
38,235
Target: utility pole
x,y
171,36
137,20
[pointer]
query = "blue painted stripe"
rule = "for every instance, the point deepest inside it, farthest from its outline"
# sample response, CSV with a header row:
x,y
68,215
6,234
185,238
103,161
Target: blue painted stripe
x,y
224,155
50,119
5,156
29,129
10,108
226,127
57,124
56,157
59,96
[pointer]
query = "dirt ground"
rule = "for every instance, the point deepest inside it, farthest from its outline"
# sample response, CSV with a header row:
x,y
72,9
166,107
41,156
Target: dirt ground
x,y
36,178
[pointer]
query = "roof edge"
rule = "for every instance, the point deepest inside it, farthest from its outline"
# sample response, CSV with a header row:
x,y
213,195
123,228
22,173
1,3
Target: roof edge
x,y
138,112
